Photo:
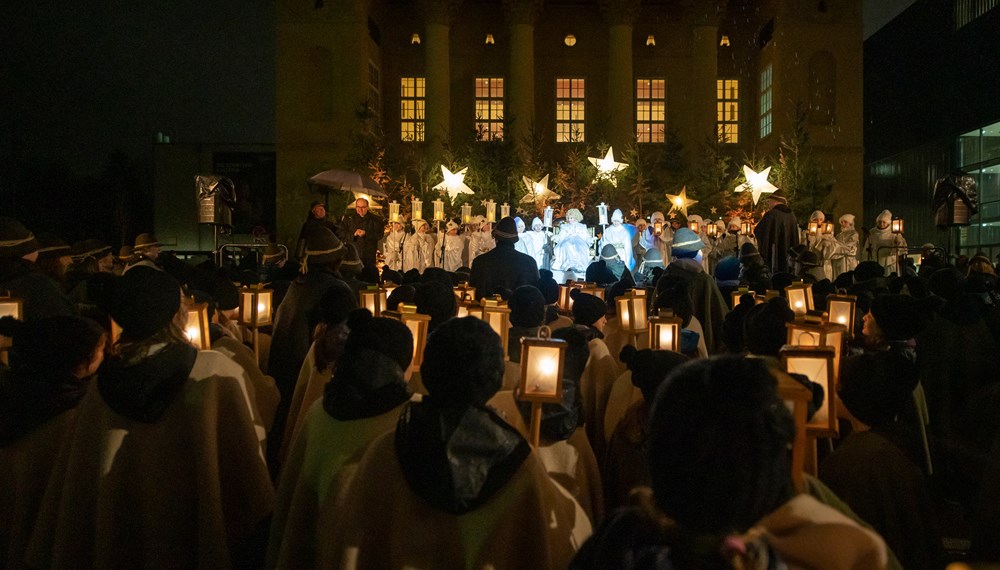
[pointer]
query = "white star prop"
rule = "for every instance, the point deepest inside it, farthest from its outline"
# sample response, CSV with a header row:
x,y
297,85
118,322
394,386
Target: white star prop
x,y
634,212
454,183
756,183
538,192
606,167
680,201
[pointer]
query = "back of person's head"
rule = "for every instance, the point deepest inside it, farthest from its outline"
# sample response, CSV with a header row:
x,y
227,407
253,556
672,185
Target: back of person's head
x,y
650,368
334,307
54,346
901,317
781,280
764,330
734,323
527,307
709,416
144,302
867,270
388,337
548,286
673,292
436,300
399,295
463,363
947,283
438,275
876,387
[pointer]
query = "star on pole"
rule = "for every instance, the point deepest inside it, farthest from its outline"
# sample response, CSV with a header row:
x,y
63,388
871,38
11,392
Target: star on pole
x,y
680,201
538,192
756,183
607,167
454,183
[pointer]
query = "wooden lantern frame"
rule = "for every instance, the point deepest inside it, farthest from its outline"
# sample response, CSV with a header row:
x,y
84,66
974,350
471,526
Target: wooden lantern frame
x,y
843,311
817,364
897,226
800,298
804,333
531,349
197,320
632,313
497,315
373,298
10,306
251,313
464,292
665,320
418,325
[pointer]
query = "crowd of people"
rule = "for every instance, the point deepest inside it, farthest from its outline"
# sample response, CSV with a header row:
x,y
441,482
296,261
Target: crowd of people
x,y
324,445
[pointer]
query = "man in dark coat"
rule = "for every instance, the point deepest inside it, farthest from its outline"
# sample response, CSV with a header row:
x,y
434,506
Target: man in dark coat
x,y
777,231
363,229
503,267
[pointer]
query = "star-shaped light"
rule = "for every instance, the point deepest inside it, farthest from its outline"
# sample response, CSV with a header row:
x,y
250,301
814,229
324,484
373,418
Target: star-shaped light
x,y
538,192
634,213
672,214
756,183
606,167
681,202
454,183
714,210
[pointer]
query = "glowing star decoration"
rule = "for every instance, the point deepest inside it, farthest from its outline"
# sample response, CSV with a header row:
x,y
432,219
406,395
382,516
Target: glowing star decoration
x,y
606,167
714,210
538,192
454,183
681,202
756,183
634,213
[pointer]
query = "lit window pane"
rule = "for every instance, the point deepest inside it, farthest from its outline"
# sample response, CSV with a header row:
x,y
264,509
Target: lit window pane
x,y
727,110
650,110
411,109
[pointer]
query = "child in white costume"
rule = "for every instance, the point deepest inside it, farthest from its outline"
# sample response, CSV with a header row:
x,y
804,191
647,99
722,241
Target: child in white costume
x,y
883,245
418,249
393,246
534,242
617,235
453,246
847,258
825,246
481,240
572,251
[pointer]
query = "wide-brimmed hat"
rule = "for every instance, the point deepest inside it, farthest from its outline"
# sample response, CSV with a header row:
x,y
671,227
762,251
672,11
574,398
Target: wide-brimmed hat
x,y
51,246
145,300
322,247
808,259
89,248
143,241
778,196
686,242
15,239
748,251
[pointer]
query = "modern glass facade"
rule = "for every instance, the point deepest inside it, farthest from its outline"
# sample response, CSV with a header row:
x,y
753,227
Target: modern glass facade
x,y
978,154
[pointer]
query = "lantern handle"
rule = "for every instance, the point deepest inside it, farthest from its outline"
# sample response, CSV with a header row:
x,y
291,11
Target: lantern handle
x,y
544,332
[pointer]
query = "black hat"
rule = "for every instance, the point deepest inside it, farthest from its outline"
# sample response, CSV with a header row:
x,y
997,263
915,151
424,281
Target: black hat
x,y
764,330
351,264
650,367
15,239
527,307
51,246
144,301
797,250
598,272
463,363
379,334
506,230
322,247
808,259
868,270
608,252
587,308
778,196
548,286
437,300
748,251
620,287
337,303
876,387
391,276
89,248
901,317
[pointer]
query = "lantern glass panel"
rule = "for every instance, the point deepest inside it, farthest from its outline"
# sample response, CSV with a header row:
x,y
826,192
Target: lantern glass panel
x,y
504,210
417,208
466,213
746,228
547,217
394,211
897,226
10,307
542,375
693,226
625,312
639,317
817,369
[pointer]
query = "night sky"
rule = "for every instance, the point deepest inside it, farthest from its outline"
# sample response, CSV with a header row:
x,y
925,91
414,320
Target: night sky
x,y
81,79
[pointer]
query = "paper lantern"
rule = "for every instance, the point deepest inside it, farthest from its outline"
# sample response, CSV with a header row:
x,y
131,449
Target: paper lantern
x,y
196,328
491,210
394,211
504,210
665,331
374,299
547,217
800,297
497,315
255,306
416,209
841,309
438,210
817,364
632,313
466,214
602,214
542,360
418,325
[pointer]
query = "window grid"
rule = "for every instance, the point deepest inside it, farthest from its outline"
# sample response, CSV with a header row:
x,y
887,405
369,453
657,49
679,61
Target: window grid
x,y
728,110
570,110
650,110
766,94
489,108
412,104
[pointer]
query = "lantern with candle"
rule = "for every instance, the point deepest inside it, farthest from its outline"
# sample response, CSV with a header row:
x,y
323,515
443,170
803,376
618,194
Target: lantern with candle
x,y
542,360
504,210
547,217
196,328
416,209
897,226
602,214
842,311
10,306
255,311
817,364
632,314
665,331
373,298
438,210
466,214
394,211
497,314
800,297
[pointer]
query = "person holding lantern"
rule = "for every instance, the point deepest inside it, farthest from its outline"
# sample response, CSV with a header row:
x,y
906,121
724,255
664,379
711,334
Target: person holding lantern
x,y
455,485
481,239
393,246
823,244
884,245
658,235
709,305
418,249
450,247
618,236
846,259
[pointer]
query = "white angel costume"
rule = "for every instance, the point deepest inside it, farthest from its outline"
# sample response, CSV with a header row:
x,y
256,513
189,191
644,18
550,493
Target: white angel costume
x,y
884,245
481,240
519,244
393,247
534,242
418,249
453,246
649,240
847,258
572,251
617,235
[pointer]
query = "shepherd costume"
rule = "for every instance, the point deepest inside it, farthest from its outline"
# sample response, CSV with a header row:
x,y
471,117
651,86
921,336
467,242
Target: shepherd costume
x,y
777,231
